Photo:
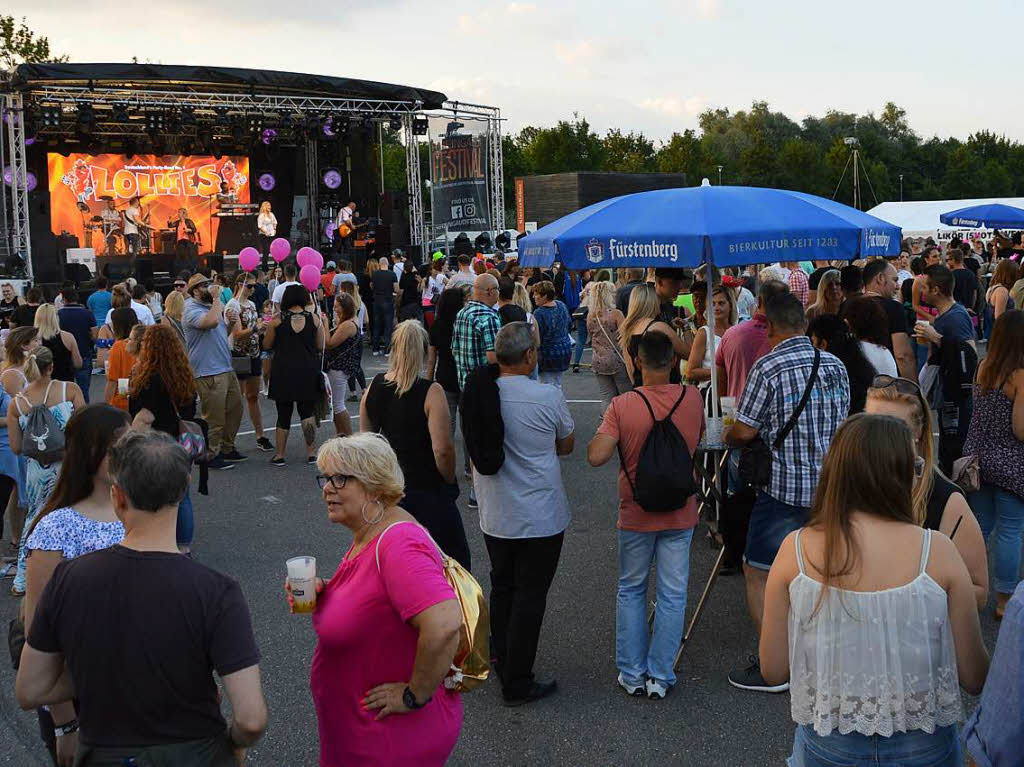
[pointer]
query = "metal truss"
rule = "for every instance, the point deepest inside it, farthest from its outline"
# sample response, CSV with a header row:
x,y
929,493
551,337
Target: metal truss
x,y
21,241
412,181
497,180
312,185
203,100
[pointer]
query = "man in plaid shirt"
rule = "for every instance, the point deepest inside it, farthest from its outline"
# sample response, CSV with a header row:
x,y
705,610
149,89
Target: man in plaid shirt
x,y
476,326
797,281
774,387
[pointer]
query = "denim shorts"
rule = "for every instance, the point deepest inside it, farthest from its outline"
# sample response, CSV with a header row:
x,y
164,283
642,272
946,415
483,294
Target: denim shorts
x,y
770,522
903,749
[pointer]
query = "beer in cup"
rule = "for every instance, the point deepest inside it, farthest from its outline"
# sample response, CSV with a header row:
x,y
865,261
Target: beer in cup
x,y
122,386
302,579
728,411
918,330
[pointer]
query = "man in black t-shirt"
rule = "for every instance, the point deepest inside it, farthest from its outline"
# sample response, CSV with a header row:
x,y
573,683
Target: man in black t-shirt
x,y
880,282
965,283
142,628
384,284
410,306
507,310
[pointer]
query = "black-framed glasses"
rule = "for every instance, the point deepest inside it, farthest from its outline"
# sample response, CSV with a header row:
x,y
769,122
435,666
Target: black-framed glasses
x,y
338,481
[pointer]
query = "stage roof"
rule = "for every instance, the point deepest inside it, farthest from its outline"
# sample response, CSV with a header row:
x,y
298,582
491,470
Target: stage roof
x,y
171,76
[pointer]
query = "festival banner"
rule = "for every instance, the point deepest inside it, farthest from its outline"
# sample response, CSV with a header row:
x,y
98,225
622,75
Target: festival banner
x,y
82,187
458,175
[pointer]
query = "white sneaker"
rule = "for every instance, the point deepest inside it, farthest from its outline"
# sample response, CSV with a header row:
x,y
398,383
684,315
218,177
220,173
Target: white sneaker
x,y
656,690
636,690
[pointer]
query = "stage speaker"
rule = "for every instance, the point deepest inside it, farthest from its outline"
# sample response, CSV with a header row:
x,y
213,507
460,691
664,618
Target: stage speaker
x,y
144,269
79,273
214,261
115,269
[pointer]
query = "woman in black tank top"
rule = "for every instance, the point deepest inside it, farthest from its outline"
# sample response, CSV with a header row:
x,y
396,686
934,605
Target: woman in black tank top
x,y
412,413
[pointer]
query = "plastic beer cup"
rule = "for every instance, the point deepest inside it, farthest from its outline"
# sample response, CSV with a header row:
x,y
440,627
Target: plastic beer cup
x,y
302,579
728,411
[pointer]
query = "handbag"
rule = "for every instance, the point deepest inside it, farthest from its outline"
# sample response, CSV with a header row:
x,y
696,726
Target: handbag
x,y
967,473
192,438
471,665
756,458
241,364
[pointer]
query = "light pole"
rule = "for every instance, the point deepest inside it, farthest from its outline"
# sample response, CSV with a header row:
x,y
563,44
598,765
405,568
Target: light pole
x,y
901,187
719,173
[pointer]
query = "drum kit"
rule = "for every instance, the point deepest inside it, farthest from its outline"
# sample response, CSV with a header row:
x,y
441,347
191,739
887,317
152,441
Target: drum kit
x,y
107,237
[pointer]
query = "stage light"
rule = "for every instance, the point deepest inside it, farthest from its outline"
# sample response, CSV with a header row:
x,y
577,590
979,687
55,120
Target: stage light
x,y
503,242
419,126
268,136
30,181
188,115
119,112
267,182
86,118
255,122
395,124
238,131
328,127
155,122
332,178
454,127
51,116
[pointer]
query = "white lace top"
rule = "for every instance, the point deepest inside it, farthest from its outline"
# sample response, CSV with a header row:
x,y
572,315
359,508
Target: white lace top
x,y
873,662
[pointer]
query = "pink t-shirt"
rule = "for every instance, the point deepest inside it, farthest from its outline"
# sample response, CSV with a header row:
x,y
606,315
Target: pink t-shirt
x,y
364,639
742,346
628,421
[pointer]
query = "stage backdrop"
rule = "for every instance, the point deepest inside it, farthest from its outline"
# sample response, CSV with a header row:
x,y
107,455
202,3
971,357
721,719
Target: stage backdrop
x,y
80,186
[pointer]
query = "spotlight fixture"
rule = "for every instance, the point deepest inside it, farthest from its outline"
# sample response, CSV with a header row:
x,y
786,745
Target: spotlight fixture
x,y
327,127
395,124
119,112
267,182
419,126
155,122
86,118
268,136
332,178
51,116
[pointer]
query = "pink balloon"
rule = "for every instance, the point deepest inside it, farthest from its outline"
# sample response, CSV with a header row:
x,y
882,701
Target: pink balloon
x,y
305,256
279,249
317,260
248,259
309,276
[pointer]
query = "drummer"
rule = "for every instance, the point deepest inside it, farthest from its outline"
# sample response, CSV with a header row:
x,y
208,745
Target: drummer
x,y
111,217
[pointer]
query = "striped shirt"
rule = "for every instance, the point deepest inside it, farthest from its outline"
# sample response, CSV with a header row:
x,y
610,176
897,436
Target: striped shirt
x,y
774,387
476,326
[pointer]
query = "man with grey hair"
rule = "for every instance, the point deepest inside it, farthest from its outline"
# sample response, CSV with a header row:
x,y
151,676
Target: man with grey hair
x,y
140,629
523,512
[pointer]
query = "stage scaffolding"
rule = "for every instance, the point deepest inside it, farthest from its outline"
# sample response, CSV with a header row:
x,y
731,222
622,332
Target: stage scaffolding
x,y
210,110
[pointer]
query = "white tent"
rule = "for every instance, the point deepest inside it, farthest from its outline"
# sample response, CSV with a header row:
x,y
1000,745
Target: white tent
x,y
921,219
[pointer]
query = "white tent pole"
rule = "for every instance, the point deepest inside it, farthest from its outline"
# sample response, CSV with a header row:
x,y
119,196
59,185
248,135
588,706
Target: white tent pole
x,y
710,330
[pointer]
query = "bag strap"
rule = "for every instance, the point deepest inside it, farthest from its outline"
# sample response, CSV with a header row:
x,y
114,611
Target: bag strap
x,y
608,338
376,552
800,405
618,445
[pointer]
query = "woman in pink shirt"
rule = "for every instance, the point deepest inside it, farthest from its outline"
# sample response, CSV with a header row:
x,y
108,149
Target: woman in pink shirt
x,y
387,622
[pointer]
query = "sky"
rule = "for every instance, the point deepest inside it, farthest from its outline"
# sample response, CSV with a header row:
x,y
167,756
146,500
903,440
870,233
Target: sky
x,y
640,65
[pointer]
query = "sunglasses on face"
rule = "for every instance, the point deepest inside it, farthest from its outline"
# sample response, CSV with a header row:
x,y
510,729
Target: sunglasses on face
x,y
251,287
179,285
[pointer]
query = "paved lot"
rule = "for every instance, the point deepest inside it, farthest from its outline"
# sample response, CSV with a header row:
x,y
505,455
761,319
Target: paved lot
x,y
258,515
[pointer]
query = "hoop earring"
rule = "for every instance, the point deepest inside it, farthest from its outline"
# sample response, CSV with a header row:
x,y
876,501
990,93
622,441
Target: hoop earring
x,y
362,513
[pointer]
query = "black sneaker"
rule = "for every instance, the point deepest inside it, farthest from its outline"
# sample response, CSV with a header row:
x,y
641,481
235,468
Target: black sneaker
x,y
264,444
219,464
277,461
537,691
310,459
234,457
750,678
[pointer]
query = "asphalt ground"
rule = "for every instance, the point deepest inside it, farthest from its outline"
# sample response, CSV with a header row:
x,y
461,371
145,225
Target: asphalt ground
x,y
258,515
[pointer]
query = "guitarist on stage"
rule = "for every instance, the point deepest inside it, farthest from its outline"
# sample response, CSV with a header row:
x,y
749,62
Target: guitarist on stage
x,y
345,229
132,222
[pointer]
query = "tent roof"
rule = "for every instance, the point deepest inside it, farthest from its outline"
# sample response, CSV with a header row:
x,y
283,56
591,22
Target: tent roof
x,y
174,77
921,219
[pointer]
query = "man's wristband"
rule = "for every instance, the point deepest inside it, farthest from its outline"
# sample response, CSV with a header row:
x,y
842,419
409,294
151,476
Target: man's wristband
x,y
66,729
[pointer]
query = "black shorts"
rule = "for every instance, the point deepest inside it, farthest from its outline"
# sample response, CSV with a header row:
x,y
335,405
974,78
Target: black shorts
x,y
255,369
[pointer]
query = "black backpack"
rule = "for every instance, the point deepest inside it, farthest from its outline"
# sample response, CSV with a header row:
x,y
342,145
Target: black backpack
x,y
664,470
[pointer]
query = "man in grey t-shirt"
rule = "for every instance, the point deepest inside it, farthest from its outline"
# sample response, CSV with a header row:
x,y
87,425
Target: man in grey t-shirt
x,y
524,512
208,329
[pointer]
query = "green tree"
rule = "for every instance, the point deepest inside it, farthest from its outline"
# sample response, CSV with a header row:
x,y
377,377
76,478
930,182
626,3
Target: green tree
x,y
569,146
19,44
627,152
682,154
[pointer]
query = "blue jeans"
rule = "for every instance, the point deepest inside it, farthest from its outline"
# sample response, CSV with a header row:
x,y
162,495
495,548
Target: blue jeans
x,y
639,654
83,377
383,325
1002,511
581,340
186,522
903,749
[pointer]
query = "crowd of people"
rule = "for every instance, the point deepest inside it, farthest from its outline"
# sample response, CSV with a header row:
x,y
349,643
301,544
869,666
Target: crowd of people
x,y
863,541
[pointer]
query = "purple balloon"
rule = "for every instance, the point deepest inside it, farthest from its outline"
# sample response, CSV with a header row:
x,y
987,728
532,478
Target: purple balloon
x,y
279,249
249,259
309,276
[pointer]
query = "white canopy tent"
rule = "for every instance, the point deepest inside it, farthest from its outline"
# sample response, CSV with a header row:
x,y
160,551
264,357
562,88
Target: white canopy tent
x,y
921,219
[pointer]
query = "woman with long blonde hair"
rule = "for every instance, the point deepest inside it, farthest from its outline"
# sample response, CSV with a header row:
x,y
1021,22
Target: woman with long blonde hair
x,y
66,356
412,413
872,618
938,503
174,310
829,296
643,316
603,323
19,367
698,365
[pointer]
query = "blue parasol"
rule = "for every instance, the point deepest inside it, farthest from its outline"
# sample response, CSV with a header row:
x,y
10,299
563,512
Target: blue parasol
x,y
991,216
723,225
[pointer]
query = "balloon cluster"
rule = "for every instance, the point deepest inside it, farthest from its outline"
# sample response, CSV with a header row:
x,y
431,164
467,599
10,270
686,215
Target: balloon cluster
x,y
310,261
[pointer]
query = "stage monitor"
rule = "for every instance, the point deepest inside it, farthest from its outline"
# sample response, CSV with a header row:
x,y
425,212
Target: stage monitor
x,y
82,187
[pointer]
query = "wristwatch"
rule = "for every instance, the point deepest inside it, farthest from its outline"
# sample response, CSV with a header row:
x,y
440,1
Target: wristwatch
x,y
66,729
409,700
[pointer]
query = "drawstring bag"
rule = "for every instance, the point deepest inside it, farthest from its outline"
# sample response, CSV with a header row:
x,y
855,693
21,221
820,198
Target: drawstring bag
x,y
471,665
42,439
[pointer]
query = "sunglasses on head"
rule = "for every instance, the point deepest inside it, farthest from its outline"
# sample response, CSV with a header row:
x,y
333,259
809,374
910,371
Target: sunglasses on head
x,y
902,385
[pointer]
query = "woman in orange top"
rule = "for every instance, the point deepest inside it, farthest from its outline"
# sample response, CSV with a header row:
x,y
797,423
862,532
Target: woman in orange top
x,y
121,359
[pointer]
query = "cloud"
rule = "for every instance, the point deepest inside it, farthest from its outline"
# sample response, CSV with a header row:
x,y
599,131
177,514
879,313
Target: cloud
x,y
579,52
470,89
703,10
520,9
674,106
